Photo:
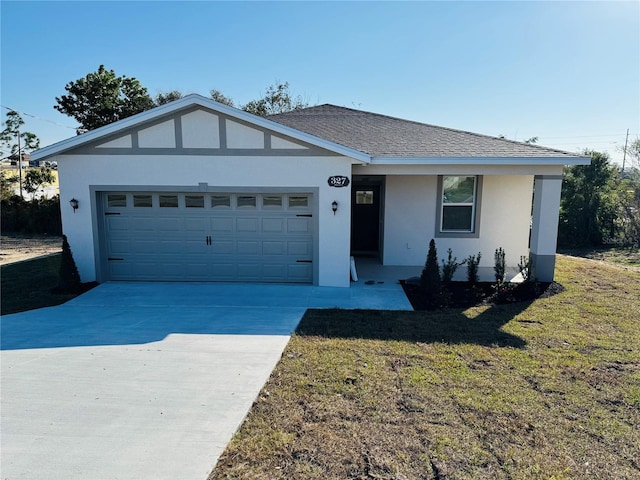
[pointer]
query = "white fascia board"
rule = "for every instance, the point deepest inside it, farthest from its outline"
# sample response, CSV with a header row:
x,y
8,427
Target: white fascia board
x,y
481,160
187,101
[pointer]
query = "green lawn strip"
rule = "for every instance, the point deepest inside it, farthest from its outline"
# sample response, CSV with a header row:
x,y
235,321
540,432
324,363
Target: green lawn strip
x,y
546,390
27,285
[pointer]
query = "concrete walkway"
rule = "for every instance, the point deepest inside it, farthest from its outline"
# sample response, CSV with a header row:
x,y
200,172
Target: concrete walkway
x,y
147,380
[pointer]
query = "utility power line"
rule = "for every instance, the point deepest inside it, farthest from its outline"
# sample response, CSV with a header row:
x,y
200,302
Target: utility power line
x,y
36,117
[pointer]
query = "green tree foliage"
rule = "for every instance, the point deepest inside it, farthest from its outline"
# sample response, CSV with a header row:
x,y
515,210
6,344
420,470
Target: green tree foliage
x,y
220,98
36,178
101,98
590,202
629,219
167,97
41,215
15,142
633,154
10,133
277,99
7,184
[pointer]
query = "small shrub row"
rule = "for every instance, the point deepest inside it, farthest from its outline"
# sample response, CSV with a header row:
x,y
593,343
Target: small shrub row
x,y
436,285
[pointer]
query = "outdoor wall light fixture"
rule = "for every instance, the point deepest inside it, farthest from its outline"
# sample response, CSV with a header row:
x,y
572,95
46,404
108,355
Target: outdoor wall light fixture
x,y
334,207
74,204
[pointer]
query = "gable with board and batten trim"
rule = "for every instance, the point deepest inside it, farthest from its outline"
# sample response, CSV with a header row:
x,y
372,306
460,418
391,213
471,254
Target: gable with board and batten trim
x,y
199,131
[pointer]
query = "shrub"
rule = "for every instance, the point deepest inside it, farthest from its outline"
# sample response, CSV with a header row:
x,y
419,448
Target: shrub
x,y
430,277
473,261
69,277
525,268
499,266
449,267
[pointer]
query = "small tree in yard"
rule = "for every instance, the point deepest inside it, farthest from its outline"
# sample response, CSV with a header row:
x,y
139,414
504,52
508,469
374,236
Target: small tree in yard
x,y
69,277
473,261
430,277
499,266
449,267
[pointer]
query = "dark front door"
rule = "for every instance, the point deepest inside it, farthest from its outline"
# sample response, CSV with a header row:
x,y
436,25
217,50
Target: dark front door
x,y
365,219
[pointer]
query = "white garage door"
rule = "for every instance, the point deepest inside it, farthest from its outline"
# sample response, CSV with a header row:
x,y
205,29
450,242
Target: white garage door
x,y
239,237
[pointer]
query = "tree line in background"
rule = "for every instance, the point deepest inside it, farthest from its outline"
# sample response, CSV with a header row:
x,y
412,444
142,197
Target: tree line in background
x,y
600,203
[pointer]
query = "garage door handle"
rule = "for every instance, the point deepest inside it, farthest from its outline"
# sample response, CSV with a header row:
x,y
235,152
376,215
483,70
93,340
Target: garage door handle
x,y
112,213
304,261
112,259
304,215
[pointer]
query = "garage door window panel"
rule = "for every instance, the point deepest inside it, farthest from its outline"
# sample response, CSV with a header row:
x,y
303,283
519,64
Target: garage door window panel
x,y
194,201
142,201
116,200
246,201
220,201
272,202
168,201
298,202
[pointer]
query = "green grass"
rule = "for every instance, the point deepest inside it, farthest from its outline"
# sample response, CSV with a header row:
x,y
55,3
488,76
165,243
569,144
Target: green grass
x,y
543,390
27,285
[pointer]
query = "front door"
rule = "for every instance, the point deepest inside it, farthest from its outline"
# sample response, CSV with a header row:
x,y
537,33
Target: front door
x,y
365,219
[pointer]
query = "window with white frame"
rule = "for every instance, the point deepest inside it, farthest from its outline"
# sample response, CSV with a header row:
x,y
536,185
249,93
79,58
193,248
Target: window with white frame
x,y
458,203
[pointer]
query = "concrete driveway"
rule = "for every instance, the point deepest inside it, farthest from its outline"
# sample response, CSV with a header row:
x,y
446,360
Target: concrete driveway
x,y
146,380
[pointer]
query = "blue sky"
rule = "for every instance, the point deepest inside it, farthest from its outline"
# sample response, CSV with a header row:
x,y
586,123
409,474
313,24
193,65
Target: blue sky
x,y
567,72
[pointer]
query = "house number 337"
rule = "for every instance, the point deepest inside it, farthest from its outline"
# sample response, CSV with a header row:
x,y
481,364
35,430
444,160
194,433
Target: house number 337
x,y
338,181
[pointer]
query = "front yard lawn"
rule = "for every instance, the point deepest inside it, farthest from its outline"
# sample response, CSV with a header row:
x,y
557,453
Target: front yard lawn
x,y
548,389
27,285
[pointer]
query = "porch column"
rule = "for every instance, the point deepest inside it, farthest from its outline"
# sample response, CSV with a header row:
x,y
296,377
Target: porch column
x,y
544,229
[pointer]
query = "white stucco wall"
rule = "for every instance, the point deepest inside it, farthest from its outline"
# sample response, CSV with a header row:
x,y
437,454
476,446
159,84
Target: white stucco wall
x,y
78,173
410,221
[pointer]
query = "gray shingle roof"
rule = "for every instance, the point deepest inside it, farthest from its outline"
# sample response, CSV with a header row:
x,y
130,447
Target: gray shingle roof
x,y
384,136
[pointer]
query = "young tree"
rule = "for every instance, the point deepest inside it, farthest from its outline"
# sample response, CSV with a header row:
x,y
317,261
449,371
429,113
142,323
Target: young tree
x,y
36,178
430,278
277,99
101,98
15,142
12,132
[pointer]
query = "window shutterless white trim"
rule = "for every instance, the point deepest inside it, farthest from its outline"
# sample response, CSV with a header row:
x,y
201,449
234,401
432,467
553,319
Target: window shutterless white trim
x,y
474,228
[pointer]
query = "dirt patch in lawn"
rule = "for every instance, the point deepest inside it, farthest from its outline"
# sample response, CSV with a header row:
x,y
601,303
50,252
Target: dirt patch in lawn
x,y
19,247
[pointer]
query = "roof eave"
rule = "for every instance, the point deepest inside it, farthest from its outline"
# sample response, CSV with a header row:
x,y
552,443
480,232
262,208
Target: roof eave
x,y
560,160
184,102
